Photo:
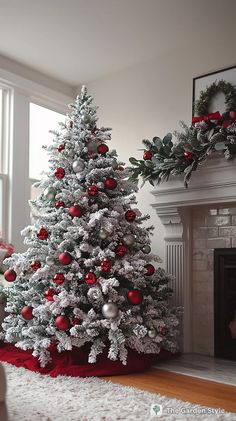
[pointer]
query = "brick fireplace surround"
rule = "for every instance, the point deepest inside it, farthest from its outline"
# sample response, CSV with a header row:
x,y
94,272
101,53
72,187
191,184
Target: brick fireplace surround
x,y
197,220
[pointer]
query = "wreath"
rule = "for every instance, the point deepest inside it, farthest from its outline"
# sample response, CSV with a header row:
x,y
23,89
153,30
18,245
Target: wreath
x,y
207,134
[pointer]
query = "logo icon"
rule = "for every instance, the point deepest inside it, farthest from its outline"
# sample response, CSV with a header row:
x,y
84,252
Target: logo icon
x,y
156,410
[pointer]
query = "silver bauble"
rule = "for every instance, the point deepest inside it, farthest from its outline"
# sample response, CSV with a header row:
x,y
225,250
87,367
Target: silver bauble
x,y
152,333
50,261
109,310
86,118
146,249
103,234
78,166
114,164
49,193
128,239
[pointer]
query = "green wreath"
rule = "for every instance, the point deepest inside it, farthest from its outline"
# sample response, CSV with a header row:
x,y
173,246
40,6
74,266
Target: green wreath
x,y
202,104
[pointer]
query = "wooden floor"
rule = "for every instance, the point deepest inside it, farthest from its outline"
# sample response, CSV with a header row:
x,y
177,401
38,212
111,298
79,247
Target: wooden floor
x,y
186,388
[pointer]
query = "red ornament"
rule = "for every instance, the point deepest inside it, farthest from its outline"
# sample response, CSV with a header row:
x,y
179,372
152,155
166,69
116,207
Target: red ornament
x,y
10,275
135,296
102,149
70,124
59,204
76,322
65,258
110,183
92,190
49,294
59,278
120,168
61,147
35,265
130,215
163,330
233,114
75,211
62,322
90,278
27,312
147,155
42,234
59,173
149,269
120,250
106,265
188,155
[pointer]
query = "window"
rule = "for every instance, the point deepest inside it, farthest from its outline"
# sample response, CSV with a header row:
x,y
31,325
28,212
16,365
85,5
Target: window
x,y
4,145
41,121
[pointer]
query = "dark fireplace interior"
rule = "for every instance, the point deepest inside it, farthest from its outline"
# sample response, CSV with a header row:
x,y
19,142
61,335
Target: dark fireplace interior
x,y
225,303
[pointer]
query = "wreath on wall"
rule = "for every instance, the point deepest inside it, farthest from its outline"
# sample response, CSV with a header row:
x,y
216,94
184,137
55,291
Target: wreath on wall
x,y
208,133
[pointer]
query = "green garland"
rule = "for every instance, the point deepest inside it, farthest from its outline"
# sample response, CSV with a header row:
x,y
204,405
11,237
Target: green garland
x,y
163,157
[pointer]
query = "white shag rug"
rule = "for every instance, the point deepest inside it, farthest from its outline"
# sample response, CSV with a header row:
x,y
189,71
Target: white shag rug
x,y
35,397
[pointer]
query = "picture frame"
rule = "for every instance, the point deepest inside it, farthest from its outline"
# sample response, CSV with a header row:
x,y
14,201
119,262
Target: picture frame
x,y
200,83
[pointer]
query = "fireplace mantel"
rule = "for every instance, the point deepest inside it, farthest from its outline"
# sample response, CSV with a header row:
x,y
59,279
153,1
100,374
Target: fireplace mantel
x,y
214,183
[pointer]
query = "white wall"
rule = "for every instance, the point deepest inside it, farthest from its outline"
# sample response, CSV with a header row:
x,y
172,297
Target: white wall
x,y
150,99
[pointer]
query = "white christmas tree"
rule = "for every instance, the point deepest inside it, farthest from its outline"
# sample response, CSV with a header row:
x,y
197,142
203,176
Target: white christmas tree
x,y
86,276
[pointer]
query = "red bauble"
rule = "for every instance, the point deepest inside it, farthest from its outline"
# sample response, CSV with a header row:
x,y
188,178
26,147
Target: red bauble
x,y
149,269
10,275
106,265
90,278
59,278
70,124
42,234
76,322
188,155
65,258
27,312
110,183
147,155
120,250
61,147
135,296
59,204
62,322
35,265
233,114
130,215
59,173
49,294
75,211
92,190
102,149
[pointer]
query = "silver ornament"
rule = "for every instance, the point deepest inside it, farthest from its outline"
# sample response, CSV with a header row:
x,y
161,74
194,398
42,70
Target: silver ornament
x,y
78,166
146,249
49,193
152,333
103,234
71,154
86,118
128,239
114,164
109,310
50,261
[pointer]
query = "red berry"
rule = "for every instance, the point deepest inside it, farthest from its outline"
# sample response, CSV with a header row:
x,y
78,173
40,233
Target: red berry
x,y
149,269
106,265
120,168
188,155
135,296
65,258
90,278
110,183
102,149
75,211
49,294
92,190
76,322
61,147
35,265
130,215
27,312
70,124
59,173
10,275
147,155
120,250
59,278
59,204
42,234
62,322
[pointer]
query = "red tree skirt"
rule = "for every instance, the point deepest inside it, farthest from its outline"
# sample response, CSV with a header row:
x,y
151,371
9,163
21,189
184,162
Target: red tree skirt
x,y
75,363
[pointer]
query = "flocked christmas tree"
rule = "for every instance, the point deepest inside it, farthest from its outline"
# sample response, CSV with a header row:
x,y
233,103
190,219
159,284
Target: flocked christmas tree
x,y
86,275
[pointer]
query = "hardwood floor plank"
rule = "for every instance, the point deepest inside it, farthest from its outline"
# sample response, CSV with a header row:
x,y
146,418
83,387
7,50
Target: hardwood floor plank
x,y
186,388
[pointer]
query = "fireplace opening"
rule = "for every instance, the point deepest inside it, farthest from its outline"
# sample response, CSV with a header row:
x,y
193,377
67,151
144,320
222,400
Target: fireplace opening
x,y
225,303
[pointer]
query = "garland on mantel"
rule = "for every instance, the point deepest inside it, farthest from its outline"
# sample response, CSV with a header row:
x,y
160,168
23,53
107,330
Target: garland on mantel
x,y
209,132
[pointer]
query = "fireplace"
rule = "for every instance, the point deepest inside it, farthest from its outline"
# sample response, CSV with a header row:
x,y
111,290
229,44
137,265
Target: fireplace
x,y
225,303
197,221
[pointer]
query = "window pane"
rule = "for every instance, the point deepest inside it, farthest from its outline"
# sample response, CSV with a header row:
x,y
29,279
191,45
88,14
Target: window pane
x,y
1,128
1,207
41,121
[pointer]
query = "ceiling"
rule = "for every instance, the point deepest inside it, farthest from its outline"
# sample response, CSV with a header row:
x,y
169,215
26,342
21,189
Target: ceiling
x,y
77,41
